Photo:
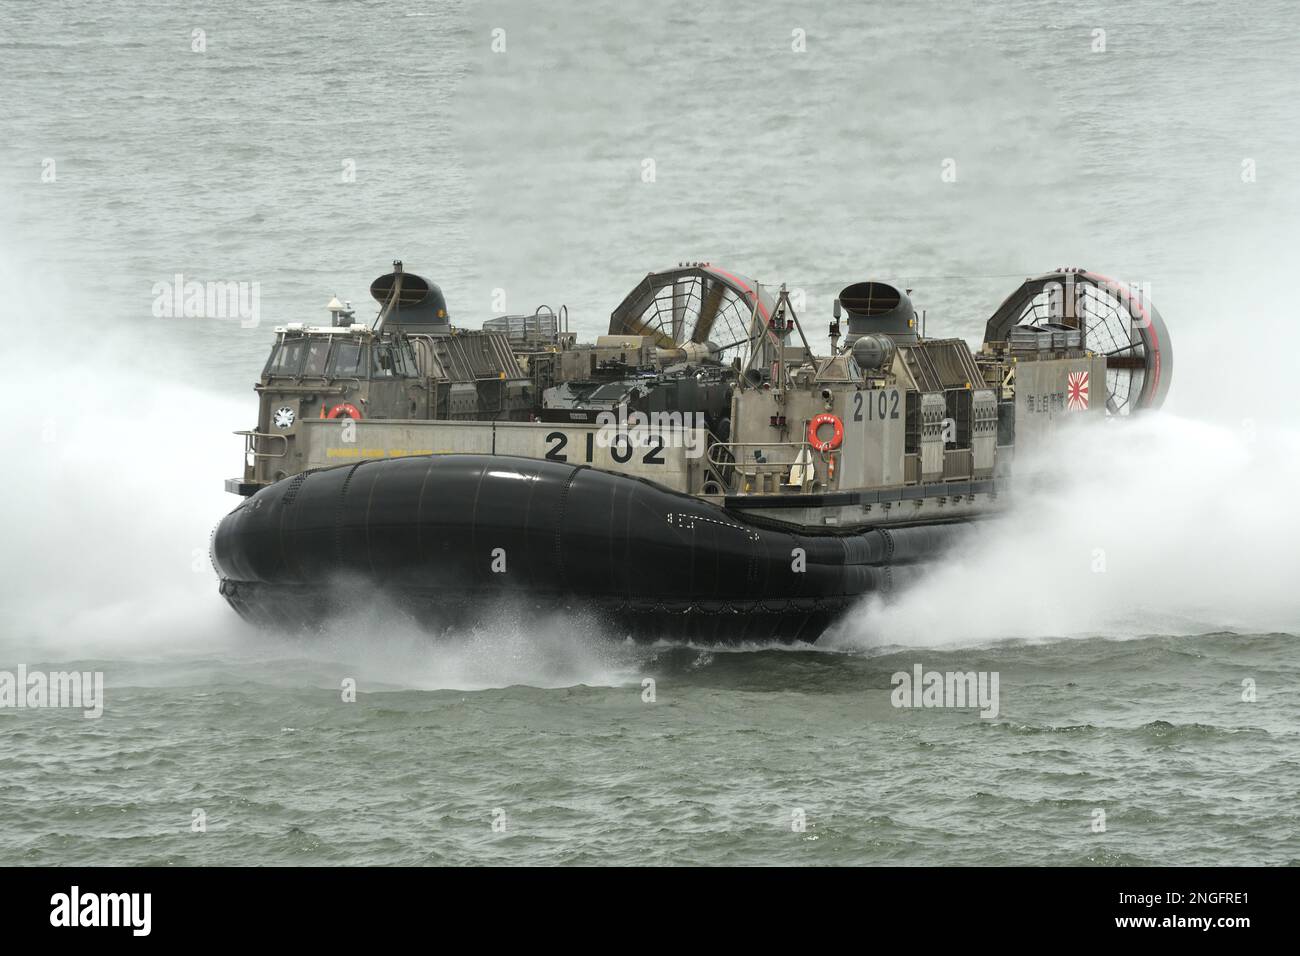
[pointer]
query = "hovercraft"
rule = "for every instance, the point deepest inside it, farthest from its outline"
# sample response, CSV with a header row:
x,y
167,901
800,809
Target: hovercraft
x,y
697,473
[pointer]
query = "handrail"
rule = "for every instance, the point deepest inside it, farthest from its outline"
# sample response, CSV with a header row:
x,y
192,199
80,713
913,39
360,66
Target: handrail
x,y
250,440
714,471
330,389
750,468
731,446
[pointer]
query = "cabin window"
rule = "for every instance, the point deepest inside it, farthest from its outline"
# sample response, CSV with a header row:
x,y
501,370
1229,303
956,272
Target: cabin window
x,y
402,360
383,361
318,351
348,359
289,359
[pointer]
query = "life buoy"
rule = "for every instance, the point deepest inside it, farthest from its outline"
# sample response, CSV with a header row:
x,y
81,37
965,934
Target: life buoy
x,y
347,409
837,432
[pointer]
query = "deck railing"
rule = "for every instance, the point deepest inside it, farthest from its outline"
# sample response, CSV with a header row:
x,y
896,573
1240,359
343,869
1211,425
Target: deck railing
x,y
746,474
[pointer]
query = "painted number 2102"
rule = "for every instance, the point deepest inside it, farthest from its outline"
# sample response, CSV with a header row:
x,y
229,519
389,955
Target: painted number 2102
x,y
620,449
878,405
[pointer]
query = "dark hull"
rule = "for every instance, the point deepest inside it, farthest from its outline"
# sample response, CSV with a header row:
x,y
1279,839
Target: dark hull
x,y
450,539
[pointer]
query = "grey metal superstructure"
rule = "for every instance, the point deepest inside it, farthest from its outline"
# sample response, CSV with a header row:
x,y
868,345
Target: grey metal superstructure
x,y
706,384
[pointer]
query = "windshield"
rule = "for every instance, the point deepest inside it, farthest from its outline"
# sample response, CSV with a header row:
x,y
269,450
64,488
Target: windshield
x,y
289,359
401,360
317,351
383,361
348,360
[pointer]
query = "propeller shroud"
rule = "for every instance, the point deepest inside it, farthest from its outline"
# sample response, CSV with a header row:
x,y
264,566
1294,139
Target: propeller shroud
x,y
1118,320
697,304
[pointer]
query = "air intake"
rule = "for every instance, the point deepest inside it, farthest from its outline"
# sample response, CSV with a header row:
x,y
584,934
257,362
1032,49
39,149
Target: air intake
x,y
876,307
411,302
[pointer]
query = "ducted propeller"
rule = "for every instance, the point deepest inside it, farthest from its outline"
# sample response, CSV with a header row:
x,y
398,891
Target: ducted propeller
x,y
690,309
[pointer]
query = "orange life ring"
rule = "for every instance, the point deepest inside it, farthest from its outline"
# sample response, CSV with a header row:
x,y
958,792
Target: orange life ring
x,y
837,432
347,408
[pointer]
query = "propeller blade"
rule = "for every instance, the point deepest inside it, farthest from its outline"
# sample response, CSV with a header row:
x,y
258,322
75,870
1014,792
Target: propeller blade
x,y
710,303
638,327
681,291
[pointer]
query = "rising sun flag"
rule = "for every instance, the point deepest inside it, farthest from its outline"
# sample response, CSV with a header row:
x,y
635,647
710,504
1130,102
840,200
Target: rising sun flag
x,y
1076,391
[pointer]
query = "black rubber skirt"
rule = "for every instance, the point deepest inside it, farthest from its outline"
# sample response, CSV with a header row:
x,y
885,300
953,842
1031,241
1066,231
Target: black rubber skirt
x,y
449,539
